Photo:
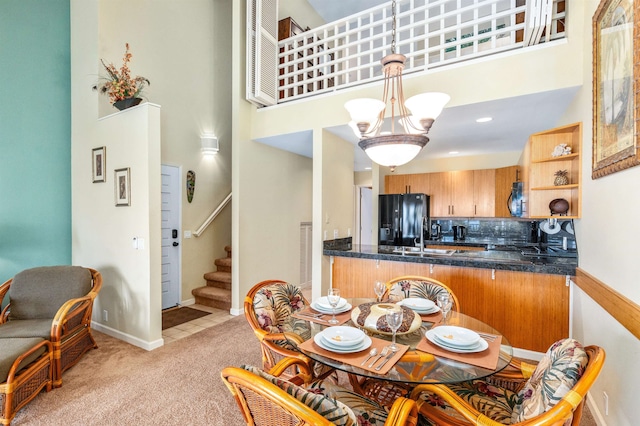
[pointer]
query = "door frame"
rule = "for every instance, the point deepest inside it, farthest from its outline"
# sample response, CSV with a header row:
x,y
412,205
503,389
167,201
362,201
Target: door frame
x,y
180,236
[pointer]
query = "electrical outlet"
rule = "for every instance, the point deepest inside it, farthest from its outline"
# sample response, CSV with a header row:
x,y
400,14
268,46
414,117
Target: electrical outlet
x,y
335,234
605,399
105,315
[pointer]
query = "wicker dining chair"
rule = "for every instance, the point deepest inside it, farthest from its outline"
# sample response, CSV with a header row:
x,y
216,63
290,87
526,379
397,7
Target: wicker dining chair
x,y
551,393
54,303
268,400
268,307
417,286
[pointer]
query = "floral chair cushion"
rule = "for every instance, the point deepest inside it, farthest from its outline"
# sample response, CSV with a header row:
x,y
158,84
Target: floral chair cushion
x,y
410,288
330,408
493,401
557,372
274,304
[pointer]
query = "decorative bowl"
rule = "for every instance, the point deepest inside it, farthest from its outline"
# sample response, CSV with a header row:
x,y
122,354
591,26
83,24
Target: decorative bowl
x,y
372,317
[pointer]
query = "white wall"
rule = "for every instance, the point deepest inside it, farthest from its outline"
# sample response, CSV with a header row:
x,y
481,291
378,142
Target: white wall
x,y
606,235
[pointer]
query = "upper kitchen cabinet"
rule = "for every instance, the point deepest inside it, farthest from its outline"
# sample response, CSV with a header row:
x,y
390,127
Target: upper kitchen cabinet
x,y
402,184
484,193
542,164
452,194
505,176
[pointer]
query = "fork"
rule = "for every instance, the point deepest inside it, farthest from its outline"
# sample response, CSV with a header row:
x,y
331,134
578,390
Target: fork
x,y
384,353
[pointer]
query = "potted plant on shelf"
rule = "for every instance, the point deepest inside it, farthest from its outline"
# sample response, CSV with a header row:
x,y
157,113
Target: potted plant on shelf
x,y
124,91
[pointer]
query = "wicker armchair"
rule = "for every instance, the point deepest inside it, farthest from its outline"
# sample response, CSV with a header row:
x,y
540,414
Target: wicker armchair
x,y
266,399
54,303
25,369
268,308
416,286
551,393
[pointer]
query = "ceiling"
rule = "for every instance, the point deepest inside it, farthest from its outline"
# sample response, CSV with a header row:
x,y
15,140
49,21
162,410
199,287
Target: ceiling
x,y
513,119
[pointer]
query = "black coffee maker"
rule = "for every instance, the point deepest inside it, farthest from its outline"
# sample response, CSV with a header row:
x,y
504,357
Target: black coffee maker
x,y
459,232
436,231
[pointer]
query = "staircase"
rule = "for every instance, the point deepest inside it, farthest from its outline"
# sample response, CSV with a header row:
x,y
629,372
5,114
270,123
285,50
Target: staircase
x,y
217,292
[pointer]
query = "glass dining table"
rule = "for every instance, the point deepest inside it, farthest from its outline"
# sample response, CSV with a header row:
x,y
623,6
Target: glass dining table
x,y
415,366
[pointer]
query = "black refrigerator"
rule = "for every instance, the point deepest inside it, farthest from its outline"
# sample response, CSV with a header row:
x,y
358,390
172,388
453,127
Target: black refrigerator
x,y
401,218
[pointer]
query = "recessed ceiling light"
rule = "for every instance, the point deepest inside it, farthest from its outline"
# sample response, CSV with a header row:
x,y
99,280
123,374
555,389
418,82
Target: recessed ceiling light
x,y
453,152
483,119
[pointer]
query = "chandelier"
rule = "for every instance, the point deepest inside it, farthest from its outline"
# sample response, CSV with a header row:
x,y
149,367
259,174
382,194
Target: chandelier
x,y
416,115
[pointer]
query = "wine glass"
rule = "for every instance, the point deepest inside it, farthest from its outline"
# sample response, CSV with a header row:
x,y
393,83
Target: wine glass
x,y
394,320
444,302
379,287
334,298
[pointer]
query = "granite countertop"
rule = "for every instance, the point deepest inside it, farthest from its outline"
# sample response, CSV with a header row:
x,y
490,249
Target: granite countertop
x,y
499,254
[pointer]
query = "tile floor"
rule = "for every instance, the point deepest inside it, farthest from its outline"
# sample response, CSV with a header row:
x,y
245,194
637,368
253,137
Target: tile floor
x,y
215,317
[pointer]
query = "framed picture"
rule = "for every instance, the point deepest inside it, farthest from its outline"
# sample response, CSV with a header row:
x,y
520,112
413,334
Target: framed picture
x,y
99,163
123,187
615,141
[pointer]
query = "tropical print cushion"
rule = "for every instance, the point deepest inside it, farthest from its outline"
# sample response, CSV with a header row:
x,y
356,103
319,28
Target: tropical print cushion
x,y
412,288
493,401
274,304
328,407
366,411
557,372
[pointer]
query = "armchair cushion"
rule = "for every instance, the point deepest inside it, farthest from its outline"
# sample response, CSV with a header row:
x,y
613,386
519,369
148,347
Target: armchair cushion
x,y
26,328
12,349
331,409
274,304
557,372
40,292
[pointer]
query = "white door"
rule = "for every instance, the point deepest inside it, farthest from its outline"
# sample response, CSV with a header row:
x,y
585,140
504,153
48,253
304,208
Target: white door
x,y
170,236
366,227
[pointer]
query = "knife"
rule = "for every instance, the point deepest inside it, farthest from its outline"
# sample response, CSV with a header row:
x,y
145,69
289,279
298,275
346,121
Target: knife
x,y
388,357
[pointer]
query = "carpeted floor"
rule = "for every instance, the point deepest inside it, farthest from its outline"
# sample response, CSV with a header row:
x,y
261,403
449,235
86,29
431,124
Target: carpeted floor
x,y
177,316
177,384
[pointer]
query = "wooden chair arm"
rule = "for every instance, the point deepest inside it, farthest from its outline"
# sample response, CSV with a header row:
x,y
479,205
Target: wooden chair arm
x,y
302,363
18,361
4,289
403,412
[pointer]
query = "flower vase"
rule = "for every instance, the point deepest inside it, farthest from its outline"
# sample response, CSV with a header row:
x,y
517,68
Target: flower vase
x,y
127,103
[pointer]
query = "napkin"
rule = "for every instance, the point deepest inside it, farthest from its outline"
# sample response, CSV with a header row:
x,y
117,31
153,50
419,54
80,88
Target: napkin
x,y
355,359
324,320
486,359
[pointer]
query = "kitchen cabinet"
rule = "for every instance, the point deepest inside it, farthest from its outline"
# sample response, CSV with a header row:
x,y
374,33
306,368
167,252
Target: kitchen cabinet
x,y
541,168
400,184
505,176
452,193
484,193
530,309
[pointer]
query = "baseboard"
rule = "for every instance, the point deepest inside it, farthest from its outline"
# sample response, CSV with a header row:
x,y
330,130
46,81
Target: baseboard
x,y
595,411
527,354
236,312
188,302
149,346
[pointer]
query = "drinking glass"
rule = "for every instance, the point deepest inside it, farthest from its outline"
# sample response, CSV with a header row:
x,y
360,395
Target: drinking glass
x,y
394,320
334,298
379,287
444,303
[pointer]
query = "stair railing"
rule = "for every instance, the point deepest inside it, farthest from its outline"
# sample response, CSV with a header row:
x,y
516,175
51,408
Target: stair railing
x,y
212,216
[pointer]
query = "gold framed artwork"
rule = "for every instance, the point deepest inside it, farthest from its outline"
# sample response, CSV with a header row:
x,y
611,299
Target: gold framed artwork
x,y
99,163
123,187
615,104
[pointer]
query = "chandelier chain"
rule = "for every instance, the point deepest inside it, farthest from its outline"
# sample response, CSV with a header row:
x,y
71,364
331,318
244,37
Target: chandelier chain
x,y
393,26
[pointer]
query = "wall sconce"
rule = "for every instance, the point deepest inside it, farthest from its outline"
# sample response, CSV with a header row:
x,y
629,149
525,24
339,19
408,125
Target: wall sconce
x,y
209,144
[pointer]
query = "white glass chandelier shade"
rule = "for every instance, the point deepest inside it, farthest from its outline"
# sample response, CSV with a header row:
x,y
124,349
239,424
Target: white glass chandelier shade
x,y
393,150
364,110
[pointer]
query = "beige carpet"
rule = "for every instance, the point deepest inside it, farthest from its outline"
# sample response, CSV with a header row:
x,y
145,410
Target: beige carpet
x,y
178,384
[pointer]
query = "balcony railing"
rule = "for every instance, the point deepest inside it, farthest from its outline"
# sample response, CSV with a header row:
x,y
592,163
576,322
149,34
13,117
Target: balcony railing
x,y
430,33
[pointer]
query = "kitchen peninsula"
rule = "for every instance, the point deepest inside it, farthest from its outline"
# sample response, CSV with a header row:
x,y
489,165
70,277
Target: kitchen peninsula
x,y
518,286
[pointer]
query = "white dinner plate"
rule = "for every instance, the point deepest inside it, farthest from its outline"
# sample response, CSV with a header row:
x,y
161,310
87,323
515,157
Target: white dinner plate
x,y
418,304
324,302
480,346
328,344
319,340
319,308
343,336
458,337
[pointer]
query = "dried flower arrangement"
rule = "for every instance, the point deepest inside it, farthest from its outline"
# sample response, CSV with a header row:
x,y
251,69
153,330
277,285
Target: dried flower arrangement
x,y
119,85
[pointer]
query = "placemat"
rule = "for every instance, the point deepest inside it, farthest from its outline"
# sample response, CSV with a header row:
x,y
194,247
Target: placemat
x,y
434,318
324,319
485,359
356,358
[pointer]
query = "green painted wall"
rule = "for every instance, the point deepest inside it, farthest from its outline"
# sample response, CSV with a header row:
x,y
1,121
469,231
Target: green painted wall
x,y
35,135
